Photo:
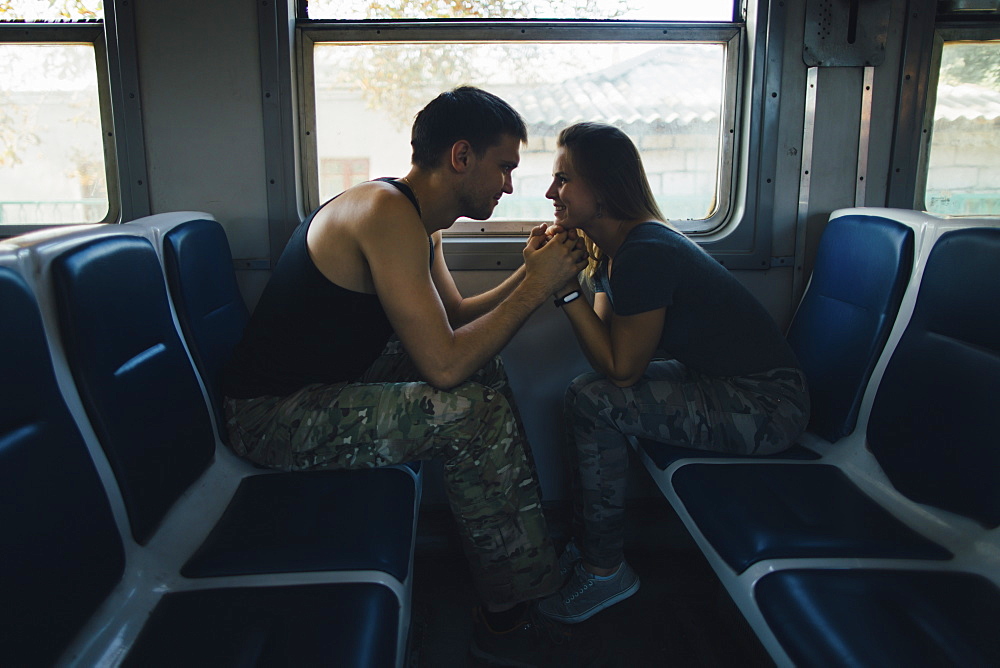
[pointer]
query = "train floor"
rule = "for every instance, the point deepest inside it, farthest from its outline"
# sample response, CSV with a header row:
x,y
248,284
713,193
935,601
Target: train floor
x,y
681,615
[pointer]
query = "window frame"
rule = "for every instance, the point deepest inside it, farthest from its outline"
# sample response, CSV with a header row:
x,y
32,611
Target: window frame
x,y
946,30
88,32
499,250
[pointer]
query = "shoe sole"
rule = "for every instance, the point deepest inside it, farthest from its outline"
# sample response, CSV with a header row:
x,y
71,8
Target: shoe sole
x,y
493,660
603,605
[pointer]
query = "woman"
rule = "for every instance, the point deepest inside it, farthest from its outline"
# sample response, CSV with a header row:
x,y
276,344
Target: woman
x,y
730,382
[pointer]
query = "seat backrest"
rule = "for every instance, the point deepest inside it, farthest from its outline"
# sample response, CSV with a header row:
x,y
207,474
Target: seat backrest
x,y
840,328
207,299
933,425
132,371
62,553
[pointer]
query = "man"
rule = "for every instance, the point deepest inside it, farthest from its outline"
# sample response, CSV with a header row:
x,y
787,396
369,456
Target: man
x,y
362,352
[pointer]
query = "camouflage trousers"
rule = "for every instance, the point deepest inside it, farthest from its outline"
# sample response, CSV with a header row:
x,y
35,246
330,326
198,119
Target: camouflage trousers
x,y
389,417
756,414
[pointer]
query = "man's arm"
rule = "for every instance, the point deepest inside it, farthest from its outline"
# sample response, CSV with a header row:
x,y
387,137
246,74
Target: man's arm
x,y
462,310
394,244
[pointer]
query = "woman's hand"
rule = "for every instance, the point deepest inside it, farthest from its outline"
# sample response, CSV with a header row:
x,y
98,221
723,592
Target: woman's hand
x,y
578,244
555,261
555,228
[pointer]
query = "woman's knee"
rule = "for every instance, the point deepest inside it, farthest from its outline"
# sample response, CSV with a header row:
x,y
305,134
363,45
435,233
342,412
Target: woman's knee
x,y
784,429
592,403
593,389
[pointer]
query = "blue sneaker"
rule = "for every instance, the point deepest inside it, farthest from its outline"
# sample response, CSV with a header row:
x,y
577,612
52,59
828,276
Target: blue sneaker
x,y
584,594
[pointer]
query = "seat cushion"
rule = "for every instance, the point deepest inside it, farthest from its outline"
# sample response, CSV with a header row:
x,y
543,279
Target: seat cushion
x,y
882,618
313,521
750,512
317,625
663,454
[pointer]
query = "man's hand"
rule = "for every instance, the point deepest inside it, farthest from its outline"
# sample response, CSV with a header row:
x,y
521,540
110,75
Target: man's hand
x,y
571,233
553,261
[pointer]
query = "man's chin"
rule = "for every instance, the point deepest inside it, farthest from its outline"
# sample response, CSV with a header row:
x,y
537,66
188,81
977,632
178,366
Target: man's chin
x,y
480,215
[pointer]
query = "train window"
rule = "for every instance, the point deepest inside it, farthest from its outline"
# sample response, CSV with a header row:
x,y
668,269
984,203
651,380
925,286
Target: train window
x,y
963,164
54,151
659,10
669,85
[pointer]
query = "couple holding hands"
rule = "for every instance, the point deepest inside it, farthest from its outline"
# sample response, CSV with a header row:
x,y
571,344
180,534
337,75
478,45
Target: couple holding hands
x,y
362,352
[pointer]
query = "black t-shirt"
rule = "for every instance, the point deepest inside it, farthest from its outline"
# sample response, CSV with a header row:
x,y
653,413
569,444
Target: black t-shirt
x,y
307,329
712,323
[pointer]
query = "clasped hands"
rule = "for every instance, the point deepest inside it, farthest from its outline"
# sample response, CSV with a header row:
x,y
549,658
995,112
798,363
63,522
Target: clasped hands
x,y
556,255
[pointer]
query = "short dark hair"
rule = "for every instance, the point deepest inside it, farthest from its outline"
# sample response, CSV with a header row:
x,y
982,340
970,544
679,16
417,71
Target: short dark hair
x,y
468,113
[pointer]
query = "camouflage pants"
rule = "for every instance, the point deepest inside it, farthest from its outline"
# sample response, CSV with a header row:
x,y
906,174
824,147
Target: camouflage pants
x,y
756,414
389,417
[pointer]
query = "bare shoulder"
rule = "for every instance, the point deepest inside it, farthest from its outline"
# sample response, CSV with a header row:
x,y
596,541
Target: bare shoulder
x,y
351,232
365,205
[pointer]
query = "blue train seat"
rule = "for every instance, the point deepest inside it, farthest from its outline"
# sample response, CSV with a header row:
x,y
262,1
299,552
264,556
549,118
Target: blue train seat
x,y
207,300
209,306
62,552
132,372
948,458
193,509
212,315
358,523
752,512
933,424
862,268
883,617
840,328
142,395
64,556
899,530
346,624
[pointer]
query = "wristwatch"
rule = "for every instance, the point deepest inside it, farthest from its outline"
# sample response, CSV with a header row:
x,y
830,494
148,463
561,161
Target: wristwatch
x,y
562,301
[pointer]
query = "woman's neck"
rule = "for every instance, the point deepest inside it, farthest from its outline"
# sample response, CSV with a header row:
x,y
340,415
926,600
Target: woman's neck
x,y
612,234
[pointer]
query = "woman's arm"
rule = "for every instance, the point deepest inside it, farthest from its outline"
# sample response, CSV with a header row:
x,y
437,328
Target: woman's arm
x,y
618,346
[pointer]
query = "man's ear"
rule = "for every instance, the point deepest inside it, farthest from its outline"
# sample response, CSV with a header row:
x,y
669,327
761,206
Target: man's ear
x,y
461,155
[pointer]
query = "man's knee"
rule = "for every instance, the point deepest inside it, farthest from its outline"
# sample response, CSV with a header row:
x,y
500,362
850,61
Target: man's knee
x,y
492,374
476,403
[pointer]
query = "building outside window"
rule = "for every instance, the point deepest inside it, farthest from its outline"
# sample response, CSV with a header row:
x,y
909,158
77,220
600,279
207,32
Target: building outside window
x,y
54,148
669,85
963,167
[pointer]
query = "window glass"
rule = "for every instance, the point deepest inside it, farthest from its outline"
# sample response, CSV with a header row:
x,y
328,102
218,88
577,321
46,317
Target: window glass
x,y
963,175
52,160
51,10
669,97
657,10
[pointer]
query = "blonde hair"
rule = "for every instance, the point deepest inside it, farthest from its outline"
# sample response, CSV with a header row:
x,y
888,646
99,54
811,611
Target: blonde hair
x,y
608,161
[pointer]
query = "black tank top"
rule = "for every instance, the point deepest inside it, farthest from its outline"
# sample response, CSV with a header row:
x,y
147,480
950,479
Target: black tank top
x,y
307,329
